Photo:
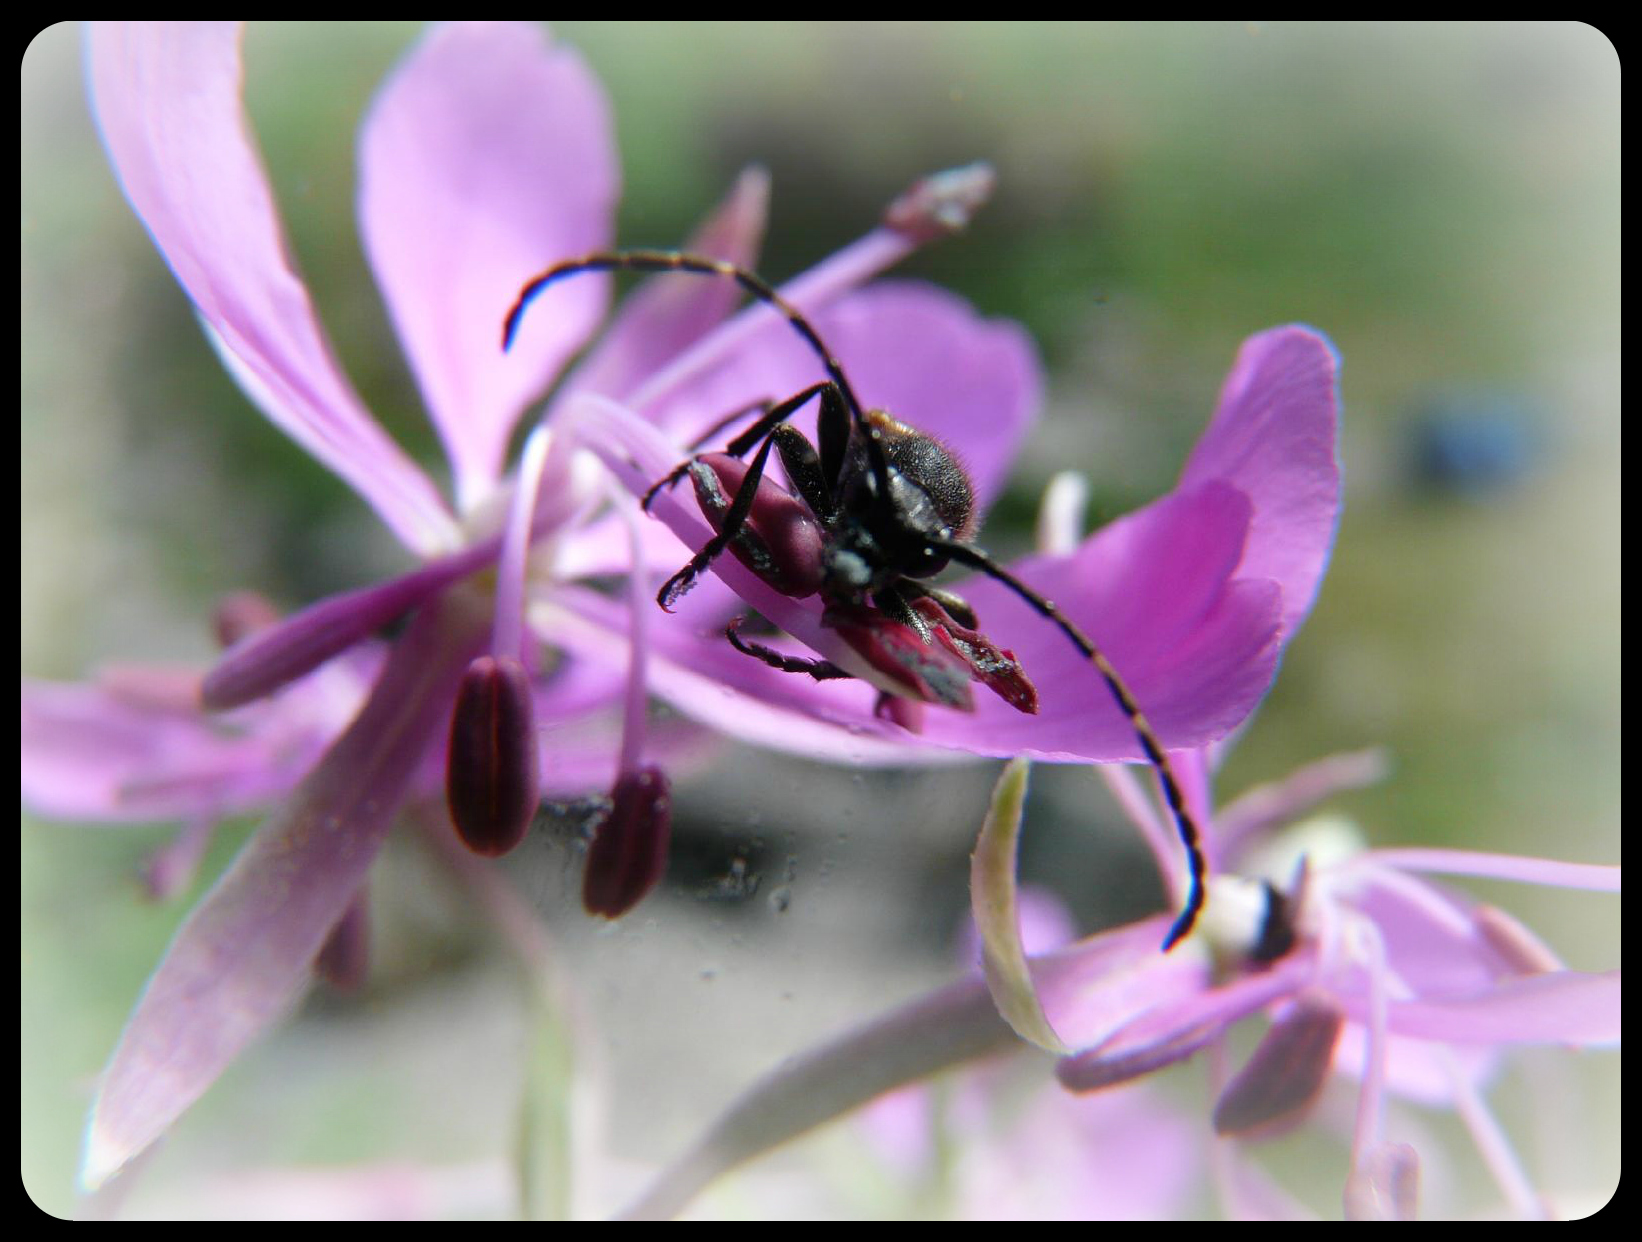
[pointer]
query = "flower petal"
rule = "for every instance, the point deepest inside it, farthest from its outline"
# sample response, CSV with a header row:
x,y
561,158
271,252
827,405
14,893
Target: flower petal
x,y
913,1042
246,950
997,919
1274,436
168,102
94,753
1196,646
915,350
486,157
1287,1070
1565,1007
295,645
666,314
1159,593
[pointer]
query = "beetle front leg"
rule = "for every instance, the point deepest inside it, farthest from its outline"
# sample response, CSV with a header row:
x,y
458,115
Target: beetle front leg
x,y
821,670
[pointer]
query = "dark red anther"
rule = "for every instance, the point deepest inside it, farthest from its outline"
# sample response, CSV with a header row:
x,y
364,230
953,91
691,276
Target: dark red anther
x,y
629,852
490,778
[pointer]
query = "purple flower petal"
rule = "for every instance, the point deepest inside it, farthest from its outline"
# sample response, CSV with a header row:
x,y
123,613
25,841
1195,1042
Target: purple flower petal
x,y
1274,437
246,950
96,754
167,99
485,158
917,351
1196,646
1566,1007
298,644
1287,1070
1159,593
668,313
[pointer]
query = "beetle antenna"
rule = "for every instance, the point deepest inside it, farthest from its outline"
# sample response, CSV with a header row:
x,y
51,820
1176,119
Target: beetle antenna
x,y
680,261
752,282
964,554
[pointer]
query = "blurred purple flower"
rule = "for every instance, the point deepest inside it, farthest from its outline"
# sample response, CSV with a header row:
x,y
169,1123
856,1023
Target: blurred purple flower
x,y
1384,979
1363,967
486,156
998,1142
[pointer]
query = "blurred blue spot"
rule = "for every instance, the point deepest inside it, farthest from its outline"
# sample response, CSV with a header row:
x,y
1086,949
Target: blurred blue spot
x,y
1475,443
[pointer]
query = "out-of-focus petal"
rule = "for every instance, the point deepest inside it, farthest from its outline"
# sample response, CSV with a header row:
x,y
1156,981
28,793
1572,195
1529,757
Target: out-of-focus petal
x,y
947,1028
1566,1007
669,312
488,156
1286,1072
95,755
167,99
1274,438
295,645
245,952
915,350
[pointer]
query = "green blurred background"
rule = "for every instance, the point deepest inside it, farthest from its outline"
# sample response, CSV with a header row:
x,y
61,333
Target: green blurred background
x,y
1443,200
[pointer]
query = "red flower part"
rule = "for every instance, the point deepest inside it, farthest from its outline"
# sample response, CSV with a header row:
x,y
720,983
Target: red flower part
x,y
781,542
989,664
906,663
629,853
490,778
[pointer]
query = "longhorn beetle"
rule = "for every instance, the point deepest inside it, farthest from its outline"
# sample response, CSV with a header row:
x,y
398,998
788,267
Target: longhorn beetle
x,y
887,507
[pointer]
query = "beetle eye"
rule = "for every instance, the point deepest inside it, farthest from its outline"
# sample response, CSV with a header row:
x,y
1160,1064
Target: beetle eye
x,y
931,561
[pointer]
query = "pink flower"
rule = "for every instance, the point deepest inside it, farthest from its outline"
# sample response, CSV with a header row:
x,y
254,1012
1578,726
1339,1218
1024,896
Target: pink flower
x,y
1367,973
487,155
1364,968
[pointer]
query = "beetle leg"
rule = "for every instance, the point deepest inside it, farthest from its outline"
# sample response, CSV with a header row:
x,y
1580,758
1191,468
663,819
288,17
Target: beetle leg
x,y
956,605
821,670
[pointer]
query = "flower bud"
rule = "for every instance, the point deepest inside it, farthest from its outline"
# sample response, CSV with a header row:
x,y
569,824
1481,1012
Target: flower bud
x,y
490,779
1286,1072
240,615
345,955
629,853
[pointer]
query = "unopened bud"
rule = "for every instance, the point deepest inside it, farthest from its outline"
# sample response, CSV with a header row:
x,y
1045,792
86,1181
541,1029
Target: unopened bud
x,y
1286,1071
240,615
629,855
490,777
942,202
344,956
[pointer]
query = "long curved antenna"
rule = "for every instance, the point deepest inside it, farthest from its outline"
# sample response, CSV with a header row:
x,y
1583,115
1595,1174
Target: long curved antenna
x,y
681,261
705,265
964,554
